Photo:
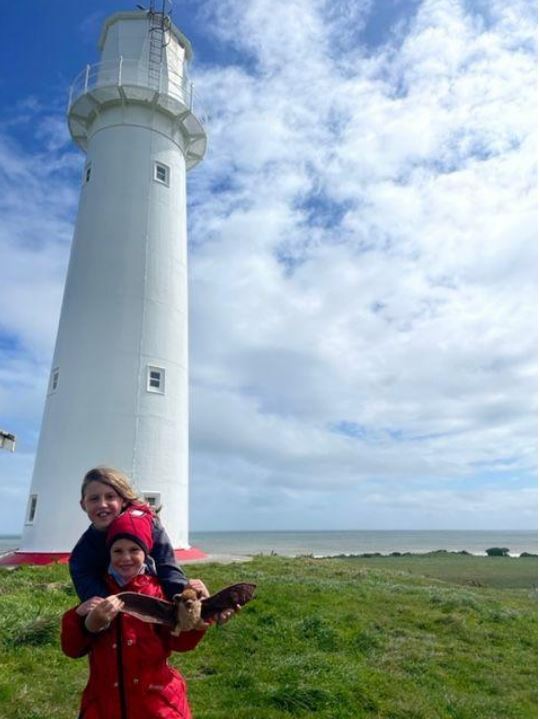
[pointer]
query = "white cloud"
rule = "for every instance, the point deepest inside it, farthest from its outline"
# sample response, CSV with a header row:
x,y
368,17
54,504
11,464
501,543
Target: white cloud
x,y
412,314
37,198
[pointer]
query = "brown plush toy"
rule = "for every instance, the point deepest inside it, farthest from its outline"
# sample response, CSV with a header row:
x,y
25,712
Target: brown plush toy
x,y
187,611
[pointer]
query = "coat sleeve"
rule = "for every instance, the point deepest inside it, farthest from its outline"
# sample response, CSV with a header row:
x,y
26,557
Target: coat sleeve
x,y
172,578
75,639
87,566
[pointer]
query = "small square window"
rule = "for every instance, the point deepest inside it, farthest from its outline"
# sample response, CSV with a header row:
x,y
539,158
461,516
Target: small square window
x,y
55,378
32,506
153,499
87,173
156,380
161,173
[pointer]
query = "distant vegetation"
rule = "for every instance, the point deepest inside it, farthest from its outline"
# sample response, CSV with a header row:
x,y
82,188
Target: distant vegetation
x,y
411,637
497,551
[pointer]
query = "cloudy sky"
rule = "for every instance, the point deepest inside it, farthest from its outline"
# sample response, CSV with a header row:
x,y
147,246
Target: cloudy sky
x,y
362,256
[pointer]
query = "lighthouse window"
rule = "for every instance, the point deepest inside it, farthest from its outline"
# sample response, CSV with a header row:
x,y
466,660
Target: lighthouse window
x,y
55,378
161,173
32,504
156,379
87,173
153,499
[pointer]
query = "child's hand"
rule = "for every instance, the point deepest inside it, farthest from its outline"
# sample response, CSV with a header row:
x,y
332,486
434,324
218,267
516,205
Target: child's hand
x,y
86,607
103,613
200,587
224,616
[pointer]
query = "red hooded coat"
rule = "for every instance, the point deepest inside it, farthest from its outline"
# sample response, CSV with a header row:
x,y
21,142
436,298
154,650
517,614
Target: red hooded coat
x,y
129,674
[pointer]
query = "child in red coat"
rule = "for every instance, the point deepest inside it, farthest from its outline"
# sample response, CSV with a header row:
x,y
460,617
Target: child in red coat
x,y
130,677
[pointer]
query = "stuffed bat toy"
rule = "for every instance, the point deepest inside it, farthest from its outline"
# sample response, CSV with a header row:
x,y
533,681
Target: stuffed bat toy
x,y
187,611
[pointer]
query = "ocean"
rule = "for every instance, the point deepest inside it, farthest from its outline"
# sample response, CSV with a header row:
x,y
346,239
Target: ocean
x,y
328,543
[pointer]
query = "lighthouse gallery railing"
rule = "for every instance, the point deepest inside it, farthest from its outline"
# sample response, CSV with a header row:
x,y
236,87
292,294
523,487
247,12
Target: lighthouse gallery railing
x,y
134,73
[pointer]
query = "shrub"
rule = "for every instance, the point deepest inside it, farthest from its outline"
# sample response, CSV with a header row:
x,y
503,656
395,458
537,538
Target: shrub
x,y
33,632
497,551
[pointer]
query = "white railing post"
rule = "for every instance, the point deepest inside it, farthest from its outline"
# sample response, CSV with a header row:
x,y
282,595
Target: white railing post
x,y
86,78
120,70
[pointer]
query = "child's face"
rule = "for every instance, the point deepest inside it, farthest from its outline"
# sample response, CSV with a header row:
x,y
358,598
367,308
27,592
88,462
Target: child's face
x,y
127,558
102,504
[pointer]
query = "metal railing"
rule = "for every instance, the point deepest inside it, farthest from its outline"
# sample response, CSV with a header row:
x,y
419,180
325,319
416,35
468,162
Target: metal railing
x,y
134,73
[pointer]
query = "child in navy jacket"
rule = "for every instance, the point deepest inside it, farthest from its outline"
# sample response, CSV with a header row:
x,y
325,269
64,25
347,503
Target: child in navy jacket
x,y
105,494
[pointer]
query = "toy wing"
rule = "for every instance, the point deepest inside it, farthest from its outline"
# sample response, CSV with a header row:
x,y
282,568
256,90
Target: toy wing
x,y
228,598
148,609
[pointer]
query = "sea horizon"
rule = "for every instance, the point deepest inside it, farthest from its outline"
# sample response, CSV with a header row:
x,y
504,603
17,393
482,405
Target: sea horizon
x,y
332,542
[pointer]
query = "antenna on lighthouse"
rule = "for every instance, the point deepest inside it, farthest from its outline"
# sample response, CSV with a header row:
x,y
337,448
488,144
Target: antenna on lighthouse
x,y
159,25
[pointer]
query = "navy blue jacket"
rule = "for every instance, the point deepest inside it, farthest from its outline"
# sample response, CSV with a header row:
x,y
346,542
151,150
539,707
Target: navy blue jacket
x,y
89,561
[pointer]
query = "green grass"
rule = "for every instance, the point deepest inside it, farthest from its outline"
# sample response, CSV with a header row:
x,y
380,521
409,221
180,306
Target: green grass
x,y
420,637
462,569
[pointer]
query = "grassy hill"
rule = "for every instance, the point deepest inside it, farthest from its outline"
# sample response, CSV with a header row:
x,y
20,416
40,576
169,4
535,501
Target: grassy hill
x,y
413,637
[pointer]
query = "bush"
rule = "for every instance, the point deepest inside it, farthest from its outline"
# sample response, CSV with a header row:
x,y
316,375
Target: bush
x,y
33,632
497,551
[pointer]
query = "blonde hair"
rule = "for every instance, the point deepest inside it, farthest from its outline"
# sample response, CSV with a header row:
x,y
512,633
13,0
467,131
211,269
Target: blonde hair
x,y
116,480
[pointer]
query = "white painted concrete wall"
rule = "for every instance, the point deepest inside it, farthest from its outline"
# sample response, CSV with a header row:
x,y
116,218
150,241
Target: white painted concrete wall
x,y
124,308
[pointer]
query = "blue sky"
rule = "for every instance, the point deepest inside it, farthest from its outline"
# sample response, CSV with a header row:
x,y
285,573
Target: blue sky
x,y
362,256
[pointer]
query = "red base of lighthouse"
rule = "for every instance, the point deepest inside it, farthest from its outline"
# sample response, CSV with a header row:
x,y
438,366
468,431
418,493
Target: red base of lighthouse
x,y
15,558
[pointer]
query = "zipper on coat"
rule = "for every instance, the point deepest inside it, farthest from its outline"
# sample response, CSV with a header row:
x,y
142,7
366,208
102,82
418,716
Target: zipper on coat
x,y
120,669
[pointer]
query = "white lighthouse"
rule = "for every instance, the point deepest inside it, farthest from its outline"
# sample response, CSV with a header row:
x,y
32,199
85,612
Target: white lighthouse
x,y
118,389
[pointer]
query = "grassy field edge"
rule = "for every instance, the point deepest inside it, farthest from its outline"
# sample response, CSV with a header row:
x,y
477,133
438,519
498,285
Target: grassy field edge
x,y
410,637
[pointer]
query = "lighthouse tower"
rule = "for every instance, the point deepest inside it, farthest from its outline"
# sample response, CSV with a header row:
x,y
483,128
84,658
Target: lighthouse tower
x,y
118,388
